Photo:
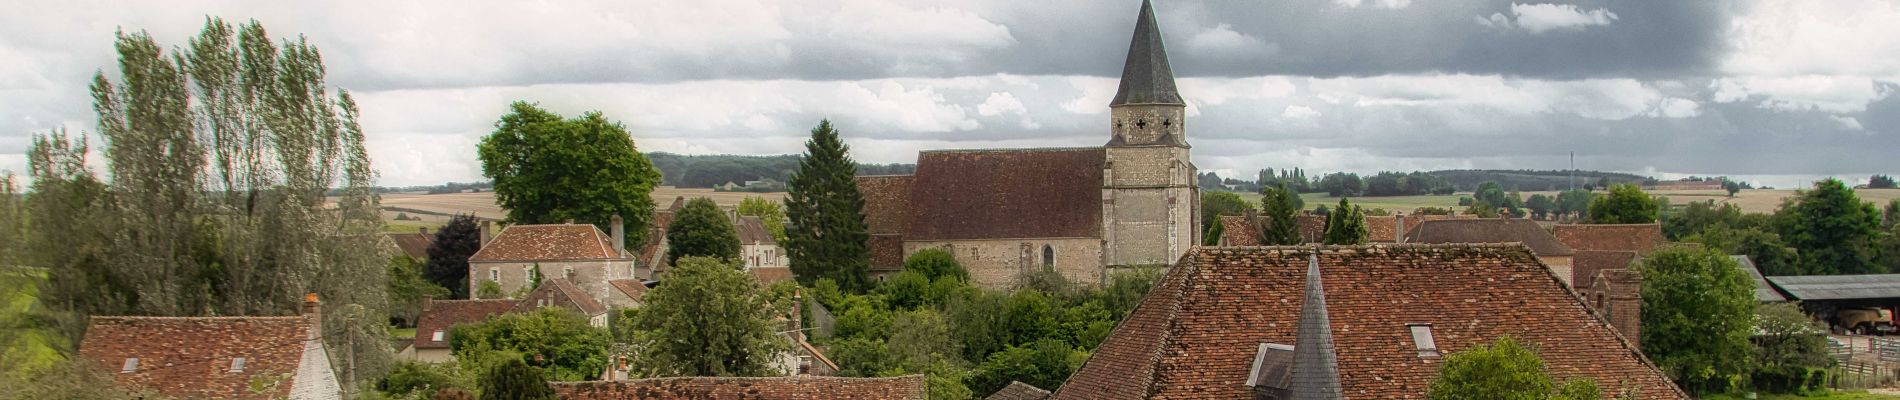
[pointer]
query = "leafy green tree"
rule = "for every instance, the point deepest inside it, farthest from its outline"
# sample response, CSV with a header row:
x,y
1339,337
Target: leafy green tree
x,y
1503,370
1216,204
701,229
1027,316
414,379
1575,202
1697,308
1347,225
12,220
515,380
709,319
1731,187
1213,235
923,337
1700,216
1890,215
1626,204
769,213
1540,206
827,236
1834,231
1788,347
1045,363
1342,184
1491,192
1281,212
454,243
936,264
1770,254
548,169
407,288
554,338
1881,182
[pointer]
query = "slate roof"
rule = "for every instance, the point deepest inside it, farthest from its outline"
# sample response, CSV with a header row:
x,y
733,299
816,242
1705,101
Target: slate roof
x,y
1585,264
1146,76
1838,287
1763,291
632,288
551,242
1006,194
570,296
192,357
1016,390
1315,372
1640,238
751,230
415,245
445,314
1489,230
1194,336
762,388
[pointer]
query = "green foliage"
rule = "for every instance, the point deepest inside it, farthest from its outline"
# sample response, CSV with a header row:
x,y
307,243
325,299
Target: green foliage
x,y
1215,204
1212,236
1832,229
1626,204
936,264
701,229
1881,182
1028,315
1540,206
449,252
423,380
1697,308
709,319
1574,203
1346,225
407,288
515,380
704,171
1342,184
489,290
1406,184
77,379
827,236
1699,216
1281,209
769,213
1503,370
548,169
1044,363
551,337
1770,254
1789,349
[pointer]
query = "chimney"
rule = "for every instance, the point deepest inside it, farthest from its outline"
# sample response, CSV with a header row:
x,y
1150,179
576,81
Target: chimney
x,y
313,312
619,228
796,325
1398,231
487,233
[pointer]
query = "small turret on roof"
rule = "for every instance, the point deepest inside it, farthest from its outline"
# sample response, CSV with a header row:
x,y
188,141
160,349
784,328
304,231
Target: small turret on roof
x,y
1315,366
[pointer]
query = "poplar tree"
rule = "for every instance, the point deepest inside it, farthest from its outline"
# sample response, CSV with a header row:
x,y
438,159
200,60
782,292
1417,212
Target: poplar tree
x,y
1346,225
827,236
1281,210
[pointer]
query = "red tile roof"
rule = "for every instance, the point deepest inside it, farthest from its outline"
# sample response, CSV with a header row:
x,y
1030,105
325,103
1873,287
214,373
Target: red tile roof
x,y
886,202
1640,238
445,314
752,231
415,245
887,252
559,292
1019,391
763,388
1489,230
656,238
1382,229
191,357
1584,266
1017,193
1238,231
1195,335
632,288
547,243
771,275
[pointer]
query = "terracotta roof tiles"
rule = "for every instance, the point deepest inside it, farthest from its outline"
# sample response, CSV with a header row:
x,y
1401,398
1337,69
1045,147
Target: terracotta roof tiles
x,y
632,288
909,387
997,194
1586,263
1196,334
548,242
1489,230
445,314
1640,238
1019,391
886,202
192,357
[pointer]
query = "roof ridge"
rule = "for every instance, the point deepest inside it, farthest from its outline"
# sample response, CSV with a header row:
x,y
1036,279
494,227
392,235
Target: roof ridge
x,y
218,317
1009,150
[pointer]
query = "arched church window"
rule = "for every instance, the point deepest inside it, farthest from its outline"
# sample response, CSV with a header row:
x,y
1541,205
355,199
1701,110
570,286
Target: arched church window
x,y
1048,257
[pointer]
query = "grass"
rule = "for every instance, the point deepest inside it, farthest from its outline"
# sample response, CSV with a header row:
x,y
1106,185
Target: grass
x,y
19,293
402,333
1837,395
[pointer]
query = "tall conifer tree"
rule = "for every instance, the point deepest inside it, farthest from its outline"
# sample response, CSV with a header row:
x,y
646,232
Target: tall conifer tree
x,y
1346,225
1281,212
827,236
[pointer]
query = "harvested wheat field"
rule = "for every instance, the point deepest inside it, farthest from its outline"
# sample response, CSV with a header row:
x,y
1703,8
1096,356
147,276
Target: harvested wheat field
x,y
433,208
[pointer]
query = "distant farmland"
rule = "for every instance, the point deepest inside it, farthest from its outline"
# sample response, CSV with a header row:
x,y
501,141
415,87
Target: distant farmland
x,y
434,209
1751,201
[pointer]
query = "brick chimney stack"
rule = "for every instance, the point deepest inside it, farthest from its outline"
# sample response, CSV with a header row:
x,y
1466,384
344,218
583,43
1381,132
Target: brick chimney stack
x,y
795,324
1398,231
619,229
313,311
487,228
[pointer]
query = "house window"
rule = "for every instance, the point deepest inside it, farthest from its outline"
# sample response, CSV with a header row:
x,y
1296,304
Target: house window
x,y
494,275
437,336
237,364
1422,337
131,365
568,272
1048,257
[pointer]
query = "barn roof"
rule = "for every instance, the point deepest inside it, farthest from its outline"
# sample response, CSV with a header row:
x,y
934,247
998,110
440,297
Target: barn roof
x,y
1764,292
1196,334
1838,287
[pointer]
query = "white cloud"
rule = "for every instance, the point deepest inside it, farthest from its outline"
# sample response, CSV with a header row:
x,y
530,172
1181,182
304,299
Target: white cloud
x,y
1793,37
1386,4
1677,107
1540,18
1833,94
1221,37
999,103
1096,93
1848,123
1299,112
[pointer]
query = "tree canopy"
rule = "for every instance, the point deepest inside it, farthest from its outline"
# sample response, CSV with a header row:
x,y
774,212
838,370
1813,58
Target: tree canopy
x,y
1216,204
1833,229
709,319
557,339
827,237
515,380
701,229
1503,370
1281,210
1697,312
1346,225
770,213
454,243
548,170
1626,204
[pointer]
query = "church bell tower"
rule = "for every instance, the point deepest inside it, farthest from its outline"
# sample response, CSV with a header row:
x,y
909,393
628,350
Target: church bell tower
x,y
1150,201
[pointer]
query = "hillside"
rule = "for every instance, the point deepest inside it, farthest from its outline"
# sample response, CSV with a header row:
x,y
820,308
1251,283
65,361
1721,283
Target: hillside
x,y
1530,180
704,171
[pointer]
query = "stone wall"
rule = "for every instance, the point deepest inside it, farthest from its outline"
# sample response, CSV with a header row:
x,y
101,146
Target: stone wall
x,y
1147,124
1618,296
1562,266
591,275
763,256
996,264
1149,205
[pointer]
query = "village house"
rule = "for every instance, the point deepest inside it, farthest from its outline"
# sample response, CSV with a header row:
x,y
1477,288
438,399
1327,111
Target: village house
x,y
1549,250
757,246
1075,211
217,357
561,292
1369,321
650,261
1600,268
415,245
579,252
438,317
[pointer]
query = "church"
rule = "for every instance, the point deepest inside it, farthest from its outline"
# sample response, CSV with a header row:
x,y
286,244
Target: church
x,y
1078,211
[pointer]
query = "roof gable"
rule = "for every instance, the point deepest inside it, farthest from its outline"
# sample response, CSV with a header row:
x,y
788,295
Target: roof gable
x,y
999,194
1196,334
1764,292
1489,230
631,288
1640,238
560,292
415,245
751,230
1586,263
548,242
193,356
444,314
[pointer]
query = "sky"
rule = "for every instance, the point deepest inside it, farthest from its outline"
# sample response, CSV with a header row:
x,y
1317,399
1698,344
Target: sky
x,y
1774,92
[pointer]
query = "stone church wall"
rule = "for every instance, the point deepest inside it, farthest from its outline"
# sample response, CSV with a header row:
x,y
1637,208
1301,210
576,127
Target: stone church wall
x,y
996,264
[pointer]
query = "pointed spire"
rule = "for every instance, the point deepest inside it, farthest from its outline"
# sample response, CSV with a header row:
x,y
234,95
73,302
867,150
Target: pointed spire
x,y
1315,366
1146,77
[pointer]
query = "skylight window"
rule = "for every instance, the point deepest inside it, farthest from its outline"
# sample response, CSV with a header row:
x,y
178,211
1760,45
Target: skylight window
x,y
131,365
237,364
437,336
1422,337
